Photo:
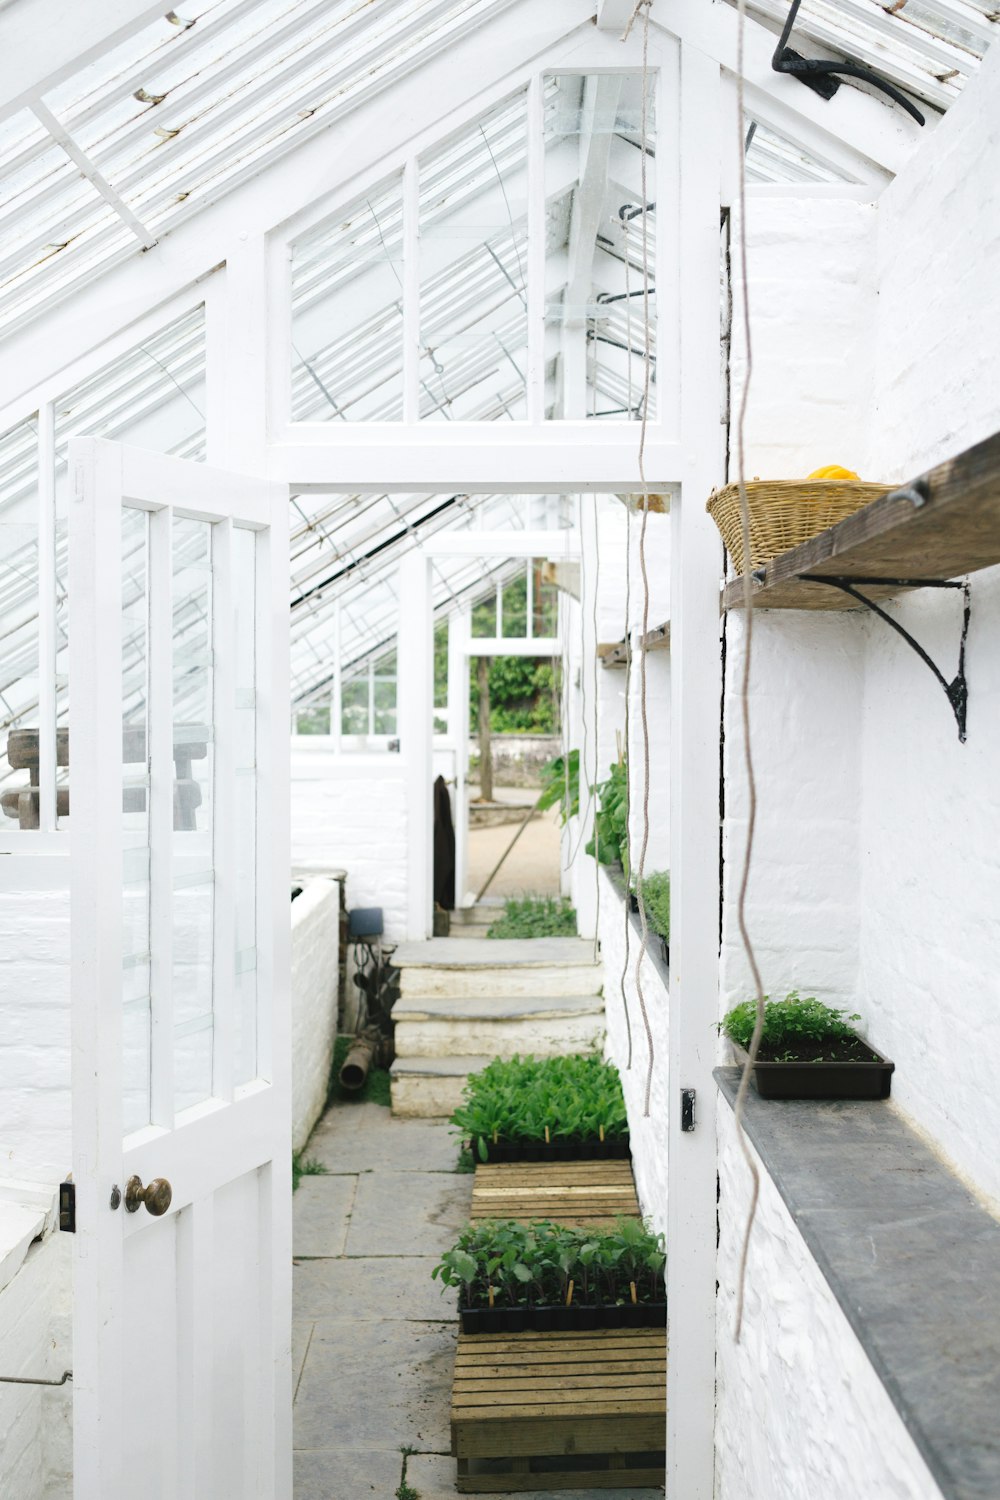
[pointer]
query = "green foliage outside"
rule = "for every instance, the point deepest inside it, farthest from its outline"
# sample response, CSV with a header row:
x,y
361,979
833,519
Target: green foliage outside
x,y
305,1166
515,1099
535,917
561,783
524,696
532,1265
376,1089
788,1024
656,897
610,840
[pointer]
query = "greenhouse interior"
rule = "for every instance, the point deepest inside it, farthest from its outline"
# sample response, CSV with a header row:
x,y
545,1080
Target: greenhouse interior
x,y
499,812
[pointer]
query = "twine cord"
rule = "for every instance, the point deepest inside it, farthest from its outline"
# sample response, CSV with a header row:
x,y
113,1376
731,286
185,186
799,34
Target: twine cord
x,y
748,609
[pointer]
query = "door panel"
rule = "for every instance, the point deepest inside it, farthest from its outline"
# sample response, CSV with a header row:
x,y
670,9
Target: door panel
x,y
180,979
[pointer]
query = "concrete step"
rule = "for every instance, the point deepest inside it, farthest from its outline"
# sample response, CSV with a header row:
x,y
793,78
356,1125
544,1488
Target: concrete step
x,y
505,966
429,1088
452,1026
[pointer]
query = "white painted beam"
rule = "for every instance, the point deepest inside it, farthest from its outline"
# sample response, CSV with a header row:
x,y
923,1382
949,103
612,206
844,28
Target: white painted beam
x,y
600,108
875,134
415,698
554,457
614,15
561,543
45,41
695,684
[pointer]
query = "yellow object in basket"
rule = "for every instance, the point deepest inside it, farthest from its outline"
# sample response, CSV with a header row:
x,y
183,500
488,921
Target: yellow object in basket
x,y
834,471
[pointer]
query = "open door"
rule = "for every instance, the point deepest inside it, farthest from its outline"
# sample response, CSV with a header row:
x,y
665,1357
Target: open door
x,y
180,1005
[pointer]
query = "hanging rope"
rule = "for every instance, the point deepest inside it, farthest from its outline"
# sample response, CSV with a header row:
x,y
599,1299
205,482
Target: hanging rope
x,y
645,6
748,614
628,655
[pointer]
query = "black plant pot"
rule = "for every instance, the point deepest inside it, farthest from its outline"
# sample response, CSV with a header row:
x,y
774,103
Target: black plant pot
x,y
515,1319
854,1079
565,1319
587,1316
652,1314
563,1148
471,1319
577,1318
543,1319
631,1315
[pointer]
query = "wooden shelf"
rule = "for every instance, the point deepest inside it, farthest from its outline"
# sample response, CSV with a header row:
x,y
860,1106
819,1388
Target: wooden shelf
x,y
613,654
956,530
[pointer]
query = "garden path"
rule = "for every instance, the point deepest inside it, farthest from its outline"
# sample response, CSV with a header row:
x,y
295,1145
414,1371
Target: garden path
x,y
373,1337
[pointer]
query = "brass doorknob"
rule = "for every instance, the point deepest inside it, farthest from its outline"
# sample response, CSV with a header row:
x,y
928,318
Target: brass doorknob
x,y
156,1196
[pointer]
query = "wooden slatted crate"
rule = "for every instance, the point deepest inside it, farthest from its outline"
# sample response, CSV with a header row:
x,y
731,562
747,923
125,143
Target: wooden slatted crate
x,y
570,1192
554,1411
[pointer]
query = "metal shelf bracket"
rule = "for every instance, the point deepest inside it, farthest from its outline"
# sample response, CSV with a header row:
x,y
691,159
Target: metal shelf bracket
x,y
957,690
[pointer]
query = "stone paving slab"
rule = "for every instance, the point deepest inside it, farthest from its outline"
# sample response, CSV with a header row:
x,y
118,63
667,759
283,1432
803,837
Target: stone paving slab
x,y
352,1474
370,1290
321,1211
521,953
377,1142
408,1213
432,1475
376,1386
301,1334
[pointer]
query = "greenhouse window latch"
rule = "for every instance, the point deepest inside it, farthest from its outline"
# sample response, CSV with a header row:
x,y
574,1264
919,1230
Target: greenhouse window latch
x,y
818,73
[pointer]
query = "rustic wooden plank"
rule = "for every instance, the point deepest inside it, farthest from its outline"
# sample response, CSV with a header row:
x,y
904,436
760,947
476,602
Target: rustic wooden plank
x,y
955,531
578,1193
573,1479
601,1342
554,1436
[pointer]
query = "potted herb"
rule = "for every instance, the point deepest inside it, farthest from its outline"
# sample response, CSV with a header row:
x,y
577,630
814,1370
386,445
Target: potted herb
x,y
656,899
544,1109
541,1276
808,1051
609,843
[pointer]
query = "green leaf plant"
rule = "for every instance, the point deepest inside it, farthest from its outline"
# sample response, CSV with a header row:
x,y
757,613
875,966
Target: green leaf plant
x,y
790,1026
578,1097
532,1265
609,843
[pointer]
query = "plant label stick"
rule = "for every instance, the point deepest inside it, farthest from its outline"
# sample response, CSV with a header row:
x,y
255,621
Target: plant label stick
x,y
569,1294
489,1293
546,1135
631,1287
600,1132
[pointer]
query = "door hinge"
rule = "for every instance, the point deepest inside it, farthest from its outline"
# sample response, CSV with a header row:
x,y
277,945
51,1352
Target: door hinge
x,y
687,1109
67,1207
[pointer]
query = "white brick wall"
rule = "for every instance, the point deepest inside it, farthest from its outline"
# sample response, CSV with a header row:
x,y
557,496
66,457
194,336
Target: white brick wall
x,y
34,1001
800,1410
648,1136
315,917
350,812
35,1341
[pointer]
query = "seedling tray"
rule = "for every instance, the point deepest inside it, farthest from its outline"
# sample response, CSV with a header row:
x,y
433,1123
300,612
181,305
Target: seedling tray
x,y
574,1148
577,1318
821,1080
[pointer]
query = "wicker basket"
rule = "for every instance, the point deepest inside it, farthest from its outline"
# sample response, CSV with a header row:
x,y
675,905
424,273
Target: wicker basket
x,y
785,512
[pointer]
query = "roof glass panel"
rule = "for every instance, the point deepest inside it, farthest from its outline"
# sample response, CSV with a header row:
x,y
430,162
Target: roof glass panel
x,y
185,110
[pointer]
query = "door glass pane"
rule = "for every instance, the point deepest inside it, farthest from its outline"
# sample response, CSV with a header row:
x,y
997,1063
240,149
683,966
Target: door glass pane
x,y
245,729
193,858
19,630
135,821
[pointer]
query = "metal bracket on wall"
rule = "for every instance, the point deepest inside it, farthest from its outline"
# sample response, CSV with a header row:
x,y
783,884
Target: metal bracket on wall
x,y
26,1380
956,691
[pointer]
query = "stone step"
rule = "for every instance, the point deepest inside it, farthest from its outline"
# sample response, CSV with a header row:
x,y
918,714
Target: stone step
x,y
431,1087
505,966
503,1027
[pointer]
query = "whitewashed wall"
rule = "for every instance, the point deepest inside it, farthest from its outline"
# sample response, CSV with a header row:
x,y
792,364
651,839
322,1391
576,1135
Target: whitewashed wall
x,y
801,1413
34,1001
350,811
648,1134
931,814
315,917
36,1451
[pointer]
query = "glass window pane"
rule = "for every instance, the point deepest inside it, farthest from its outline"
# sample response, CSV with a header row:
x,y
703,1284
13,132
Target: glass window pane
x,y
193,853
545,603
19,628
595,321
245,810
515,608
473,269
136,1007
347,314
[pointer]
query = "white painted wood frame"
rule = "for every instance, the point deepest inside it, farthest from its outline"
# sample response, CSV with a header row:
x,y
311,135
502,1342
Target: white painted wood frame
x,y
182,1363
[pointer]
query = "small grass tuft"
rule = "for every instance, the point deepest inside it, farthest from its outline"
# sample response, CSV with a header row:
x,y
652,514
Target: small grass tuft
x,y
305,1166
405,1490
466,1161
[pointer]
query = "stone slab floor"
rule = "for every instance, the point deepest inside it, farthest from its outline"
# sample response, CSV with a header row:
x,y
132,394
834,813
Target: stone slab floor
x,y
373,1336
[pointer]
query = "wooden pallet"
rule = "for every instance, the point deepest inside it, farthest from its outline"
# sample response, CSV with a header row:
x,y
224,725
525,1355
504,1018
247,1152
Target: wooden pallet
x,y
568,1192
555,1411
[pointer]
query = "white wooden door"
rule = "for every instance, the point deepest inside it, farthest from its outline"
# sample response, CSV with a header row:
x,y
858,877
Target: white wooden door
x,y
180,1006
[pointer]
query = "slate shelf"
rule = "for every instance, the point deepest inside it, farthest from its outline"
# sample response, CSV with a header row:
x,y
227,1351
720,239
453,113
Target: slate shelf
x,y
658,949
613,654
913,1261
954,530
